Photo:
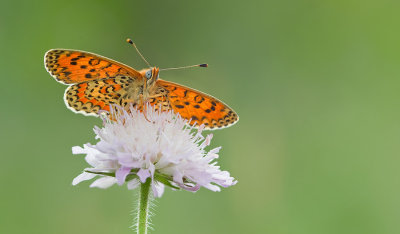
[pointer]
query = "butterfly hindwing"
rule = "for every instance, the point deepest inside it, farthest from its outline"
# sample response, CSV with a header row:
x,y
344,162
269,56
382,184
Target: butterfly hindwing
x,y
90,97
73,66
199,107
159,99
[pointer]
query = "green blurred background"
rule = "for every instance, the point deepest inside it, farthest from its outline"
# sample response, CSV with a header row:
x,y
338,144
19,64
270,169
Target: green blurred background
x,y
315,83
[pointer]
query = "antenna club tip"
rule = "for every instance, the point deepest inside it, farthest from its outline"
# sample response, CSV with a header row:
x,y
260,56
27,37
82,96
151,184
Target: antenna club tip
x,y
203,65
129,41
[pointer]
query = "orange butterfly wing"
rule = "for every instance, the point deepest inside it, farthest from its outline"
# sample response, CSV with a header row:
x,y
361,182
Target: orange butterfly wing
x,y
90,97
74,66
201,108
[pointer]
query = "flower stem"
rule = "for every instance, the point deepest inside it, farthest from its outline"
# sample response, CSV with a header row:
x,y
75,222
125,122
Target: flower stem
x,y
143,215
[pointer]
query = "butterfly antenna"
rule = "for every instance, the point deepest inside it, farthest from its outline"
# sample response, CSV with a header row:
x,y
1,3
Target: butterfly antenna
x,y
134,45
176,68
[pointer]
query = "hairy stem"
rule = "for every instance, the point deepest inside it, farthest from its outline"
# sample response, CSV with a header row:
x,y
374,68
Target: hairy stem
x,y
143,215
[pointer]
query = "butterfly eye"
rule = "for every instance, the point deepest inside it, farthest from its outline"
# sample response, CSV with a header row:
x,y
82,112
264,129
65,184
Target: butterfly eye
x,y
148,74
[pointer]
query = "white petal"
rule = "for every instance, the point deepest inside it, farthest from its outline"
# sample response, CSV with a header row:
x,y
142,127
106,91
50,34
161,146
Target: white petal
x,y
158,189
133,184
82,177
207,141
78,150
143,174
212,187
215,150
121,174
104,182
224,175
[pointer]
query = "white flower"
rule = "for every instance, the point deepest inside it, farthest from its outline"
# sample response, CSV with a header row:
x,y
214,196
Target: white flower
x,y
160,145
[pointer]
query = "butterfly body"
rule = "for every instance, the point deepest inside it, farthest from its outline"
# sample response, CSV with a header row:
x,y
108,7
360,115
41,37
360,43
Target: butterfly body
x,y
95,82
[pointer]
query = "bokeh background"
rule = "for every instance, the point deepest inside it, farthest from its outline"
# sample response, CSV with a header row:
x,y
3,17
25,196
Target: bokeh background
x,y
315,83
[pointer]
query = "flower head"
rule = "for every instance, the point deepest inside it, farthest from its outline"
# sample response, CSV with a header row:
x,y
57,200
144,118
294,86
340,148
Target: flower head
x,y
135,146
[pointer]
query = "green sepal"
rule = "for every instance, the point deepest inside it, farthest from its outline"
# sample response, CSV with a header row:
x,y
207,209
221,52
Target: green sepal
x,y
158,177
112,174
165,180
130,177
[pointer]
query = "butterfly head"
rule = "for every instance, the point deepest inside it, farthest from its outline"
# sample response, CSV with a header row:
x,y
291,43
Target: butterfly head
x,y
150,75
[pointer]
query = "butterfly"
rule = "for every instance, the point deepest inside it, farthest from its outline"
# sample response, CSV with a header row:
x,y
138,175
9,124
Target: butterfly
x,y
96,82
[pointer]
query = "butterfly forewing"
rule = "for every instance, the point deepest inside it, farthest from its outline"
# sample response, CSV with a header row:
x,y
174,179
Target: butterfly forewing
x,y
72,66
199,107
